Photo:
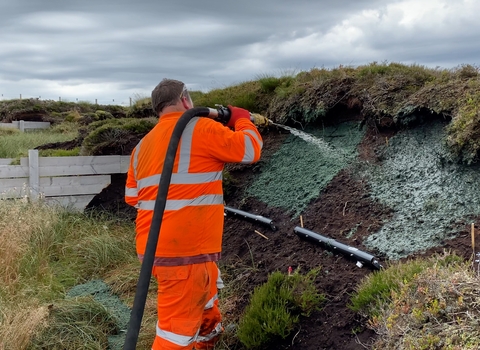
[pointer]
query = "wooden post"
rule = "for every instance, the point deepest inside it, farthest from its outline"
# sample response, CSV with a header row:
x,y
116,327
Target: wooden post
x,y
130,102
33,174
21,125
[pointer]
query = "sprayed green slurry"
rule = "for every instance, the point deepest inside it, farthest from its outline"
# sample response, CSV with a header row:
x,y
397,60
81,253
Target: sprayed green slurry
x,y
101,293
300,169
428,192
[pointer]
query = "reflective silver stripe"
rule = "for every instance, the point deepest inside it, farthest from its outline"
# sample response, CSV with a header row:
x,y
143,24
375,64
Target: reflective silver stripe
x,y
216,332
131,192
177,204
249,155
135,159
181,179
255,136
148,181
220,284
178,339
186,146
210,302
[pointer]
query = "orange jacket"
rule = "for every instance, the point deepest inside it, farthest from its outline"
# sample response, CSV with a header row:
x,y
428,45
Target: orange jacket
x,y
192,225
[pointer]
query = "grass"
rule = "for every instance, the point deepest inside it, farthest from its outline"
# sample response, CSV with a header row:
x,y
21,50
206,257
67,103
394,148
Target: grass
x,y
44,251
423,304
15,144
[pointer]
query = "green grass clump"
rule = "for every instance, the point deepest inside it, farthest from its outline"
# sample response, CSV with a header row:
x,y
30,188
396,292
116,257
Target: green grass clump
x,y
464,132
79,323
60,152
248,95
44,251
141,108
276,306
439,308
113,136
377,288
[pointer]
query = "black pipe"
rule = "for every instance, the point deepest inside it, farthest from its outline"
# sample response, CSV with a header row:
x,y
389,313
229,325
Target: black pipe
x,y
335,245
251,216
153,235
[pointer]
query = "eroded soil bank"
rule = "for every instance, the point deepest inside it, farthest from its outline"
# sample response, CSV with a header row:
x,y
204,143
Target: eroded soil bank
x,y
393,195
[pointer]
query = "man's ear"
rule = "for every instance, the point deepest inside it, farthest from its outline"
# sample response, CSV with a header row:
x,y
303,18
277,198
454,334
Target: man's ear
x,y
187,102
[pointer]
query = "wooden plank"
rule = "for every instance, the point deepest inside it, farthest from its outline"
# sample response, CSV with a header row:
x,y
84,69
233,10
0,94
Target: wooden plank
x,y
8,126
14,188
81,165
80,170
80,160
70,202
36,125
8,171
30,125
5,161
73,185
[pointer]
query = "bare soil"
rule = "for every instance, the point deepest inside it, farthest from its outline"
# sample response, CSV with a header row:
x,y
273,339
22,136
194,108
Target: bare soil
x,y
336,213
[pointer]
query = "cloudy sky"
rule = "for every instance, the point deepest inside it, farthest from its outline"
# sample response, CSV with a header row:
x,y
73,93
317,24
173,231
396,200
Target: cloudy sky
x,y
113,50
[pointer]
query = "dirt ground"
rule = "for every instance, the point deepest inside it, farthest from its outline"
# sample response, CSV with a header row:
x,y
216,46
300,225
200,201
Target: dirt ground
x,y
343,211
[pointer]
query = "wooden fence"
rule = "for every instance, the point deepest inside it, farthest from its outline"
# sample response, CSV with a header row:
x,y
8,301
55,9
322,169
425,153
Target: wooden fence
x,y
67,181
23,125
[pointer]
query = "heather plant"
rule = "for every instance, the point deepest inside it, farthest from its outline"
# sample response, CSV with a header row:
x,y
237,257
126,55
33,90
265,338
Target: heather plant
x,y
276,306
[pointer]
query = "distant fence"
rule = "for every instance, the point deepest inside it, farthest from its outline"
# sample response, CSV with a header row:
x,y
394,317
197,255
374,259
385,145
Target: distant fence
x,y
23,125
67,181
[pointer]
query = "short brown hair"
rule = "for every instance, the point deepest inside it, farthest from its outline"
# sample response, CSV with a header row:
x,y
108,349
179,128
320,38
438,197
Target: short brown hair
x,y
166,93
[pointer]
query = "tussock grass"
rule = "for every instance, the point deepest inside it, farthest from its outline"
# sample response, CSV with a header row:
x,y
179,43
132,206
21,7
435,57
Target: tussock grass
x,y
432,304
20,323
44,251
79,323
113,135
464,132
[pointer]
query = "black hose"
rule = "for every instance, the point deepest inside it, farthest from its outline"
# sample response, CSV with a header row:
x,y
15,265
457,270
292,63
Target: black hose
x,y
154,233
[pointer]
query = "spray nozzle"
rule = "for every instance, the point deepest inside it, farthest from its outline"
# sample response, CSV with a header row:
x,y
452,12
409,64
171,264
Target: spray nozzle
x,y
222,114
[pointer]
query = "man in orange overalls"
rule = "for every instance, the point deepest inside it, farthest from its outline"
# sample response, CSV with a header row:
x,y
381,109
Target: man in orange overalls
x,y
191,232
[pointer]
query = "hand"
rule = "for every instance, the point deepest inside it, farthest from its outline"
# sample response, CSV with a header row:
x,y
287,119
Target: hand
x,y
237,113
259,120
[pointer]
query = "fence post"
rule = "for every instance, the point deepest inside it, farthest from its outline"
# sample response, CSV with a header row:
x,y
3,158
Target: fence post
x,y
33,174
21,125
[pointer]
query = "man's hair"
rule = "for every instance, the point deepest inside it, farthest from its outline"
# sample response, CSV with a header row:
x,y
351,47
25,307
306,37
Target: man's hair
x,y
166,93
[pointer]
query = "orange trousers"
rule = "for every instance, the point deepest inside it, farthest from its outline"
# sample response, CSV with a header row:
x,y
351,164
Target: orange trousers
x,y
188,313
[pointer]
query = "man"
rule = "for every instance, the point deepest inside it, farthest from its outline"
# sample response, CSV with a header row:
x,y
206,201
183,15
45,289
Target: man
x,y
191,232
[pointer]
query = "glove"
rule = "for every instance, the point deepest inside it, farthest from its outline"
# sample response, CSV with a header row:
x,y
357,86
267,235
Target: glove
x,y
237,113
259,120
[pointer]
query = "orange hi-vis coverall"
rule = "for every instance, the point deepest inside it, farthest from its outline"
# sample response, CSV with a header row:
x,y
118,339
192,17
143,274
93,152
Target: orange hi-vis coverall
x,y
191,232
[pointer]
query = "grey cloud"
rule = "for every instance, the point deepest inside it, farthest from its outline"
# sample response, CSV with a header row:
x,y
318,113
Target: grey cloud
x,y
132,45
